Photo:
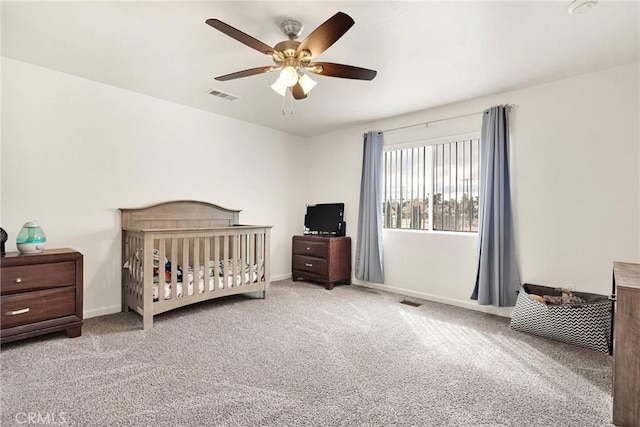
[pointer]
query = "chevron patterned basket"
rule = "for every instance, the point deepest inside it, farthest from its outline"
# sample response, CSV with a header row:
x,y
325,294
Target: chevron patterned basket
x,y
586,324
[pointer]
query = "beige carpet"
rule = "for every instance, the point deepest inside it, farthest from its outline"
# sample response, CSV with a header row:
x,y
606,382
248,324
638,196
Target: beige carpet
x,y
305,356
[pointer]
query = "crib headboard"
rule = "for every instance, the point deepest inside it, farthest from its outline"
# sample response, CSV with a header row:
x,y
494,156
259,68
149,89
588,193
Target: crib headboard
x,y
179,214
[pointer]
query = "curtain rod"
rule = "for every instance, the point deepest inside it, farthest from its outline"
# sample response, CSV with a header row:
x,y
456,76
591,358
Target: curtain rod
x,y
509,107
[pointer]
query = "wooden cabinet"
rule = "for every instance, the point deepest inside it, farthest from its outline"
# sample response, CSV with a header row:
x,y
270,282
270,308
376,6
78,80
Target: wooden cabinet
x,y
322,259
40,293
626,345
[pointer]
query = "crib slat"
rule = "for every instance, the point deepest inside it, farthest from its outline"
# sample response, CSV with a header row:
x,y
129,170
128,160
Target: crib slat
x,y
162,249
174,268
126,276
251,245
243,259
185,267
147,299
267,266
196,265
259,256
237,258
124,256
137,290
140,279
225,249
234,261
216,263
207,261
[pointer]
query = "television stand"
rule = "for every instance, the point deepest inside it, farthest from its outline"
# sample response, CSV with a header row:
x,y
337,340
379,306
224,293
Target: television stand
x,y
321,258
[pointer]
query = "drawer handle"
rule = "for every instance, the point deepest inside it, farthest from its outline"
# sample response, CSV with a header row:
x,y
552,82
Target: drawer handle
x,y
16,312
18,280
308,248
309,264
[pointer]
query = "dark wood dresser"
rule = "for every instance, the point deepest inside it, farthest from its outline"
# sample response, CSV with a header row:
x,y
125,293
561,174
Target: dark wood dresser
x,y
40,293
322,259
626,345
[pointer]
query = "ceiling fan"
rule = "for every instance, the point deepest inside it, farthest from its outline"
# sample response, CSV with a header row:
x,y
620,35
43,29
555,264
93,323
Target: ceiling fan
x,y
293,58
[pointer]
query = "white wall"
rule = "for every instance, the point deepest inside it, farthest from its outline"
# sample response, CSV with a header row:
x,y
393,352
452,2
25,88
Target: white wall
x,y
74,151
576,186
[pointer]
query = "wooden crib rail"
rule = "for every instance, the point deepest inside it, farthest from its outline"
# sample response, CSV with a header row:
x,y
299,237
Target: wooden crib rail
x,y
222,254
192,236
179,214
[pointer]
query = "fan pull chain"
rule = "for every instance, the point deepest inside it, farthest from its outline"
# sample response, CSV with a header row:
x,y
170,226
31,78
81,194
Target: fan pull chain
x,y
284,102
291,100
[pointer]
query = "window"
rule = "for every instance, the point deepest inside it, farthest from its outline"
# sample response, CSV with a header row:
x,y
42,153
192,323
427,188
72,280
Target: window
x,y
432,187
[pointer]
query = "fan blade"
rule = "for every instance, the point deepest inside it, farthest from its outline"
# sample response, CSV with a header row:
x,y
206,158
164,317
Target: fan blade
x,y
240,36
245,73
326,34
339,70
297,91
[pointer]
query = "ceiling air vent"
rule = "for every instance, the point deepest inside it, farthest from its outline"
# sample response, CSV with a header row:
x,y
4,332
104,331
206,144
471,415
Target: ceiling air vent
x,y
222,95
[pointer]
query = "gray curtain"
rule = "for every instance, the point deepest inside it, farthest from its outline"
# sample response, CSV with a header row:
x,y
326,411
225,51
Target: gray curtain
x,y
369,243
497,278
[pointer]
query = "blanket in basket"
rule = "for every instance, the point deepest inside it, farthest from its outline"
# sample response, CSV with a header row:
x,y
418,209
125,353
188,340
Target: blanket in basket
x,y
586,324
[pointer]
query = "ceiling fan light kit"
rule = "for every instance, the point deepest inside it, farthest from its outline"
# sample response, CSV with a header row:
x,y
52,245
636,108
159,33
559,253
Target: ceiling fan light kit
x,y
292,57
289,76
306,83
279,87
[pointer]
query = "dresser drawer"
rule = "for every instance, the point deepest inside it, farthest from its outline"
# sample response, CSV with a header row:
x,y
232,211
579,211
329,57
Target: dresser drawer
x,y
310,264
38,276
309,248
30,307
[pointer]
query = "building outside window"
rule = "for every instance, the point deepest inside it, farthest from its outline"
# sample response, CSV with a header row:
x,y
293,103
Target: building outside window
x,y
432,187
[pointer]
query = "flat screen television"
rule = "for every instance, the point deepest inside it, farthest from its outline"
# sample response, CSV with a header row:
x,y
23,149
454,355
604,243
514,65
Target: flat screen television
x,y
325,219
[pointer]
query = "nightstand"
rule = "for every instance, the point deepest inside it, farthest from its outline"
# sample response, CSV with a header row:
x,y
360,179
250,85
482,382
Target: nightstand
x,y
322,259
40,293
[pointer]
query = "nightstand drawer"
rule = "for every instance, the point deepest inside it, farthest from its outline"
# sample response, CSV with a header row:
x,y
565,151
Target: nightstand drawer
x,y
38,276
310,264
305,247
30,307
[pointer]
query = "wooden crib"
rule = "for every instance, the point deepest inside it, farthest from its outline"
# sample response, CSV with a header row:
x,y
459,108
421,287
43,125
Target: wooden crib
x,y
182,252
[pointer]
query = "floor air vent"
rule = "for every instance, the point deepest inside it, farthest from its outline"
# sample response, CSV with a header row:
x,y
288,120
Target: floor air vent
x,y
411,303
222,95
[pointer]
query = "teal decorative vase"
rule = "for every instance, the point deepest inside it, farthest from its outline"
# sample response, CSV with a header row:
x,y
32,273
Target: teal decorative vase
x,y
31,239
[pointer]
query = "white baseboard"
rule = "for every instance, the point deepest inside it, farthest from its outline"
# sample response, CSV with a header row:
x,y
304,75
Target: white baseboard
x,y
498,311
280,277
87,314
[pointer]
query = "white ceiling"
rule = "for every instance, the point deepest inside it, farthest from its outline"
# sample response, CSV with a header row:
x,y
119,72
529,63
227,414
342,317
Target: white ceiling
x,y
426,53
